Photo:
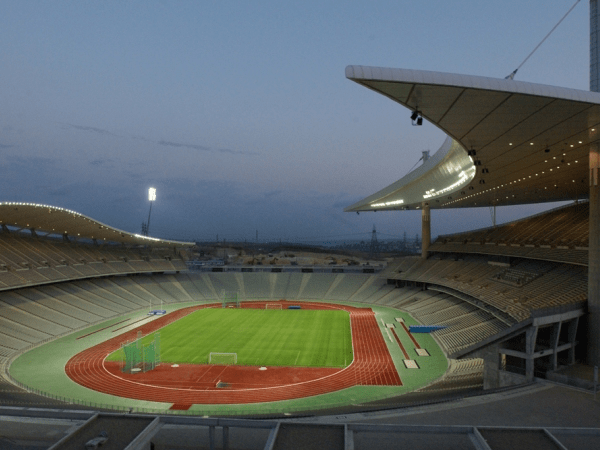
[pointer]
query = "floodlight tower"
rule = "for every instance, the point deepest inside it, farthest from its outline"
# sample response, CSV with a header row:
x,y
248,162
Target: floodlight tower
x,y
374,249
152,198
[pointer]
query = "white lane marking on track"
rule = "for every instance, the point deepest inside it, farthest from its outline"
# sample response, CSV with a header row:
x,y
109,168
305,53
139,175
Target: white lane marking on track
x,y
247,389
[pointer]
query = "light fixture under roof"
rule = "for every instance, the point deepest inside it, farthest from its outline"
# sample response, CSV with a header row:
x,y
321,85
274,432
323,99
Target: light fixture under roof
x,y
416,118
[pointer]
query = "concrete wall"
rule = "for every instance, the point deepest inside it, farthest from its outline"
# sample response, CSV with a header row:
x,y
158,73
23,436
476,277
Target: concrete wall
x,y
493,376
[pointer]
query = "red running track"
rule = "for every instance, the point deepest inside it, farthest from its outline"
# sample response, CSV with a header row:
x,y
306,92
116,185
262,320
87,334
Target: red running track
x,y
196,384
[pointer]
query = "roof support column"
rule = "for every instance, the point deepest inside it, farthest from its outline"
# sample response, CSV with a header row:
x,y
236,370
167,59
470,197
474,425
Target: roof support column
x,y
425,229
573,324
594,47
530,340
594,259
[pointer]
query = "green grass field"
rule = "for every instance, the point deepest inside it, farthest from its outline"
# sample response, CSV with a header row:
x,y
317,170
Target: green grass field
x,y
305,338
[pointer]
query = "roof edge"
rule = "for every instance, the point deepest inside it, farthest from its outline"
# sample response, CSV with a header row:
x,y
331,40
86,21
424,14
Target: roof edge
x,y
358,73
131,238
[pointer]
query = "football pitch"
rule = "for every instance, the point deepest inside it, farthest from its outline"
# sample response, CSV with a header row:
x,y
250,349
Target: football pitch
x,y
259,337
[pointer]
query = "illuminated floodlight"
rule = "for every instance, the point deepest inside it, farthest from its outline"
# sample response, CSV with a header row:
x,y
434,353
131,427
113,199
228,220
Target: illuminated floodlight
x,y
152,198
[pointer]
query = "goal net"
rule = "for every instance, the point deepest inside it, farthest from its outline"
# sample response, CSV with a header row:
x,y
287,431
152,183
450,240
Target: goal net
x,y
273,306
224,359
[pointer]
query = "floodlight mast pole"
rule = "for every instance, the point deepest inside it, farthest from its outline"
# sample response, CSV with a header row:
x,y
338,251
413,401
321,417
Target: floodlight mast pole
x,y
148,223
151,197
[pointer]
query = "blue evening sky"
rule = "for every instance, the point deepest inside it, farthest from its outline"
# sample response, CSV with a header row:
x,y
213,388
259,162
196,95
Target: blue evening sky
x,y
239,113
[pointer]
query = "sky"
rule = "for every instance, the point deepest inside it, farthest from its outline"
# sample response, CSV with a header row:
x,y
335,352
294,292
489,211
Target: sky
x,y
239,112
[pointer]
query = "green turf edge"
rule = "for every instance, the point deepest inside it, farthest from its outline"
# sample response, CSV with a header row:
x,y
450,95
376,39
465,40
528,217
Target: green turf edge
x,y
42,371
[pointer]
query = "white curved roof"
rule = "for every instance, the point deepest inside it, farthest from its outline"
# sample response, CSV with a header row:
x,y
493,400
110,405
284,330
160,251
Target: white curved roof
x,y
55,220
529,142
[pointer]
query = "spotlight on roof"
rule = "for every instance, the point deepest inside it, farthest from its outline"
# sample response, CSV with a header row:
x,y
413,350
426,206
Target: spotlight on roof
x,y
416,118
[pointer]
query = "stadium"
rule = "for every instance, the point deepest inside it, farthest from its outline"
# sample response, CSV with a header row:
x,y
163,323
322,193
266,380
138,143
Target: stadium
x,y
487,340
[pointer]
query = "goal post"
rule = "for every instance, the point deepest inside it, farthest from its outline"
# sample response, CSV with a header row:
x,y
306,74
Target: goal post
x,y
224,359
273,306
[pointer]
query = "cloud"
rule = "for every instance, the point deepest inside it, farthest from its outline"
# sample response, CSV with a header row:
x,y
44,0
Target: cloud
x,y
3,146
204,148
102,162
161,142
29,162
30,178
92,129
188,209
272,193
180,145
236,152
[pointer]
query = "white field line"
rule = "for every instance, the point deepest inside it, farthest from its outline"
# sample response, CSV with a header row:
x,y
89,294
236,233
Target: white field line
x,y
245,389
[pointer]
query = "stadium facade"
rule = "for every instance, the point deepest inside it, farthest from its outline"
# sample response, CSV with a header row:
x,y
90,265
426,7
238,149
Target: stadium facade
x,y
518,301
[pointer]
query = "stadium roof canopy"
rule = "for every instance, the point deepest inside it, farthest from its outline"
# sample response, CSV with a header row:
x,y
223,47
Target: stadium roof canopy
x,y
509,142
53,220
